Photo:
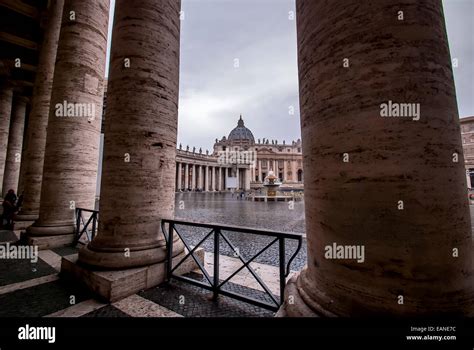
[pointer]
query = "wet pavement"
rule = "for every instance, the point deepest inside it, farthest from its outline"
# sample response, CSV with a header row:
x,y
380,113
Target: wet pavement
x,y
225,209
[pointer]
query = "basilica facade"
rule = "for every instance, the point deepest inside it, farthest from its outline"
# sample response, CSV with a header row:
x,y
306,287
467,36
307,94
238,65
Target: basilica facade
x,y
239,162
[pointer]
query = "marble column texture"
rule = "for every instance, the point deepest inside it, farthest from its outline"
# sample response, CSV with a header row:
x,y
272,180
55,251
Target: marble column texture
x,y
73,133
141,119
38,117
399,199
11,175
206,178
6,100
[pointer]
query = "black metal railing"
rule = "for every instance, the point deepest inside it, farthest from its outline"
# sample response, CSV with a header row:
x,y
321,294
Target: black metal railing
x,y
86,223
214,284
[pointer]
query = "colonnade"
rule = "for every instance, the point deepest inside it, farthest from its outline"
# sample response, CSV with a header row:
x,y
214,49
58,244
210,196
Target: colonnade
x,y
399,195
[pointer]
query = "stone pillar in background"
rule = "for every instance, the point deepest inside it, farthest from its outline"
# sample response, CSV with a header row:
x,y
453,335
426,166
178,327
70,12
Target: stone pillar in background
x,y
219,179
400,196
212,178
200,177
186,176
180,173
193,185
247,179
6,99
72,142
142,120
38,118
206,178
237,170
285,170
15,145
21,179
294,171
260,171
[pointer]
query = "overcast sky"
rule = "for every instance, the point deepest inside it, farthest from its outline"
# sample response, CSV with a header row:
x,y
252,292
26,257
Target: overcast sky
x,y
260,37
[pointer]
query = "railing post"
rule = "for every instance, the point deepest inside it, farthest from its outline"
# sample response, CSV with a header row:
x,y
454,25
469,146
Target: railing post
x,y
215,287
94,223
78,225
281,245
169,266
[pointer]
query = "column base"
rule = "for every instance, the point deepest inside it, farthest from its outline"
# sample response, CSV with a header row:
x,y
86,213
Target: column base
x,y
48,242
22,224
112,286
298,304
26,217
48,237
125,259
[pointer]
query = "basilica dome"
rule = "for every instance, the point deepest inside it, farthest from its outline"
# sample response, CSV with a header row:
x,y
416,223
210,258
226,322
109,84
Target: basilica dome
x,y
241,133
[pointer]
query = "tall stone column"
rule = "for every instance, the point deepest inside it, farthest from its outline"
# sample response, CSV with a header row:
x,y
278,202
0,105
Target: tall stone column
x,y
137,195
247,179
294,173
206,178
180,174
391,186
38,118
219,179
260,171
237,171
6,100
200,177
193,184
73,137
213,178
186,176
15,145
285,170
468,179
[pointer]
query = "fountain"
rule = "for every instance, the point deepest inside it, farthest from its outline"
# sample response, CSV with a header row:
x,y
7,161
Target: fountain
x,y
271,184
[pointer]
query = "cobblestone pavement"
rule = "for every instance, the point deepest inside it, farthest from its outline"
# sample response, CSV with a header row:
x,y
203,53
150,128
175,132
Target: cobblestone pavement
x,y
191,301
227,210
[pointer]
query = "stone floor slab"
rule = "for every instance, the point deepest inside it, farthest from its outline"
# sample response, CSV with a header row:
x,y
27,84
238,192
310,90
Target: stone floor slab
x,y
136,306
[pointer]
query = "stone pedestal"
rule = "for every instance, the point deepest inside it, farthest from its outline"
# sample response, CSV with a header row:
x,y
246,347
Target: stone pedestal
x,y
38,118
15,145
113,285
392,185
72,143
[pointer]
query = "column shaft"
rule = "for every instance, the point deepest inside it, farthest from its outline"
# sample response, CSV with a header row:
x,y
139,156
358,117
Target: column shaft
x,y
401,197
193,184
6,100
15,145
186,176
38,118
72,142
180,174
141,119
